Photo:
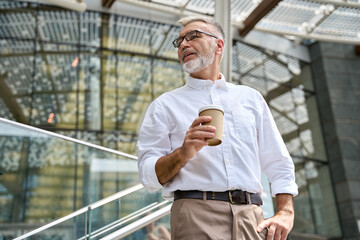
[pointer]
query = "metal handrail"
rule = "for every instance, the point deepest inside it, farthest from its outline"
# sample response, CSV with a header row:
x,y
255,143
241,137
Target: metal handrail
x,y
27,127
100,231
83,210
132,227
118,223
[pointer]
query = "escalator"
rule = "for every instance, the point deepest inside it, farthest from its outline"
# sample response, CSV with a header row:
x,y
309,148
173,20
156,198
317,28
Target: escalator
x,y
57,187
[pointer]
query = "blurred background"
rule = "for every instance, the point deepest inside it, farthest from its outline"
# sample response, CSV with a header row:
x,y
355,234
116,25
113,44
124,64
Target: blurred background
x,y
89,69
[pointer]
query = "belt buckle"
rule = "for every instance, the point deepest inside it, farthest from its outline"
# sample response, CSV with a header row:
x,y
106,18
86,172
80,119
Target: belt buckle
x,y
239,197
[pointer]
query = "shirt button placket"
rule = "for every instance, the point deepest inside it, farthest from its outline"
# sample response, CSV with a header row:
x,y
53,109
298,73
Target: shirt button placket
x,y
215,96
226,148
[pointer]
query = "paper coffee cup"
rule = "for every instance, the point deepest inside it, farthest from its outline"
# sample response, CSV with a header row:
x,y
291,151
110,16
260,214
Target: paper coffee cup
x,y
217,113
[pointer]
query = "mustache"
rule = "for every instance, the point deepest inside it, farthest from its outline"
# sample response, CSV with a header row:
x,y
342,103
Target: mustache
x,y
186,51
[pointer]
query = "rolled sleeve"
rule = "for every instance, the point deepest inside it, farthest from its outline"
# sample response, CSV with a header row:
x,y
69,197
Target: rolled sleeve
x,y
147,174
153,143
281,186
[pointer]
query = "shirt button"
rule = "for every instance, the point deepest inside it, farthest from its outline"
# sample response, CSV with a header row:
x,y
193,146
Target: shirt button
x,y
228,161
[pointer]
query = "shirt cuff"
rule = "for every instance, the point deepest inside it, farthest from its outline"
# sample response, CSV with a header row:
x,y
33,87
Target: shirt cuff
x,y
148,175
284,186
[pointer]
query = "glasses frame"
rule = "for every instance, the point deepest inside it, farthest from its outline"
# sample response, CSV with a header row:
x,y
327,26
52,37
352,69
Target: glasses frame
x,y
177,42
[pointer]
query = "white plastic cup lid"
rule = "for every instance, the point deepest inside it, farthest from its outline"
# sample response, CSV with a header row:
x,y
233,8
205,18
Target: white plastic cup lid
x,y
211,107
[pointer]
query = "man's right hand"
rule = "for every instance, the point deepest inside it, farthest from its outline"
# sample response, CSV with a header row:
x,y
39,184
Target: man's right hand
x,y
168,166
195,137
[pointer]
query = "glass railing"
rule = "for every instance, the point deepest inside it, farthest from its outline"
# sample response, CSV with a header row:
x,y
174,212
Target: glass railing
x,y
45,176
109,218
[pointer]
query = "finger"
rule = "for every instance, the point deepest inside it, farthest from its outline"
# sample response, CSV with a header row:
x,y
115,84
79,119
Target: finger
x,y
201,135
205,128
196,143
284,235
271,233
278,234
207,132
262,226
201,128
200,120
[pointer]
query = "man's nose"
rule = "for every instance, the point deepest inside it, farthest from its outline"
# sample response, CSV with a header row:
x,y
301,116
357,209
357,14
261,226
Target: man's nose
x,y
184,44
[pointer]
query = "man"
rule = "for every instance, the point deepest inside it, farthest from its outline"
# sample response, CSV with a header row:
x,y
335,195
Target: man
x,y
216,188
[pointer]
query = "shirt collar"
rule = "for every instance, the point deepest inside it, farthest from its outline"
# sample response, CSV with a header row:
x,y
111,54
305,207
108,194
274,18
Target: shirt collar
x,y
201,84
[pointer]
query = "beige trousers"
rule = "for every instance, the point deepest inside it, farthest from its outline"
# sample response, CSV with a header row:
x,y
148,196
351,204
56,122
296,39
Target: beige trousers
x,y
196,219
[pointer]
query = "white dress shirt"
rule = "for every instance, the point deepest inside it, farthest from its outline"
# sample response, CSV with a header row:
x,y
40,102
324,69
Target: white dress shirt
x,y
251,141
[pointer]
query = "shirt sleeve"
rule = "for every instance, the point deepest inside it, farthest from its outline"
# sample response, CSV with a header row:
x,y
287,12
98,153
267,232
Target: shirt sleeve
x,y
275,159
153,143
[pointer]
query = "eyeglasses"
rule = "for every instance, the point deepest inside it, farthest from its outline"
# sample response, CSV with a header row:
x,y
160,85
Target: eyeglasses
x,y
189,36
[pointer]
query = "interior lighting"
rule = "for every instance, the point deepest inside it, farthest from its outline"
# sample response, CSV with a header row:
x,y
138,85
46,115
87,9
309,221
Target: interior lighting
x,y
51,118
325,10
294,69
75,62
306,27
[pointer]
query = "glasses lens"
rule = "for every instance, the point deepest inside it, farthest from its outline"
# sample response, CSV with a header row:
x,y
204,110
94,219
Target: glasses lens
x,y
177,42
191,35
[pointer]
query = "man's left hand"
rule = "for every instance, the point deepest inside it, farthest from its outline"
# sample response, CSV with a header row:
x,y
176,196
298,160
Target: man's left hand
x,y
280,225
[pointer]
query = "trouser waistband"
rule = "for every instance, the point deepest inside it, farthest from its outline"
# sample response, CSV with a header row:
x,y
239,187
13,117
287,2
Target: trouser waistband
x,y
234,197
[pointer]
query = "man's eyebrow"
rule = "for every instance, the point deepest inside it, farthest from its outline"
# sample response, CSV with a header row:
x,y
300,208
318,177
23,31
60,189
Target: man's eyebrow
x,y
186,33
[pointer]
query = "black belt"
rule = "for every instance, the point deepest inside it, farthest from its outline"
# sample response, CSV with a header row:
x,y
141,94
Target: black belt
x,y
234,197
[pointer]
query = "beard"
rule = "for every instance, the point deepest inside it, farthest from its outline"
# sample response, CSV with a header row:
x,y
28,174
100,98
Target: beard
x,y
200,63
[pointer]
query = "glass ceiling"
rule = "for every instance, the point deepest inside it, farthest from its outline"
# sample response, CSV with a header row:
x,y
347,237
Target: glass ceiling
x,y
323,20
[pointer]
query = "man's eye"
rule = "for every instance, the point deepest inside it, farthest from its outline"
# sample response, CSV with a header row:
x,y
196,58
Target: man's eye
x,y
178,41
192,36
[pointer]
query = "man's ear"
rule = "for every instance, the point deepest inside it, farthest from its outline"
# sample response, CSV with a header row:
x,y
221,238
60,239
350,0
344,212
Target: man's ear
x,y
220,46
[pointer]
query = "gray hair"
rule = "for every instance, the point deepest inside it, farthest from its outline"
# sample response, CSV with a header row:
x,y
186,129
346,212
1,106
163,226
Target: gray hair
x,y
186,20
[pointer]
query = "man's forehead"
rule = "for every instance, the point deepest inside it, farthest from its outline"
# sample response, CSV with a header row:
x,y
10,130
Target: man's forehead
x,y
198,25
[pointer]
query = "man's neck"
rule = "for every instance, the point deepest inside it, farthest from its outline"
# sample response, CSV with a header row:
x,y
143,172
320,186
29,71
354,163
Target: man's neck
x,y
208,73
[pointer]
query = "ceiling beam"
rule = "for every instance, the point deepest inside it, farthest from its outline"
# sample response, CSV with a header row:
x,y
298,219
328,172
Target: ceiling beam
x,y
296,133
283,88
10,101
256,15
282,114
107,3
